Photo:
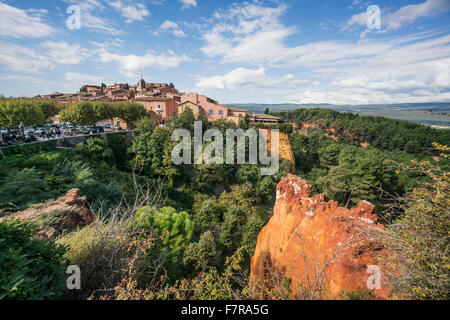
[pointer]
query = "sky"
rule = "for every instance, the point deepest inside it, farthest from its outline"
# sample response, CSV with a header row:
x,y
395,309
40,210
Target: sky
x,y
260,51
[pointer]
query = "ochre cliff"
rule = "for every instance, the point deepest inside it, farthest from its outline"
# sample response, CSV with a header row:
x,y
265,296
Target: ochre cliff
x,y
284,145
323,249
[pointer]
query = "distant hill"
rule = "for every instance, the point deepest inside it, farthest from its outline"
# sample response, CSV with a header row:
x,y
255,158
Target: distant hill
x,y
259,108
413,112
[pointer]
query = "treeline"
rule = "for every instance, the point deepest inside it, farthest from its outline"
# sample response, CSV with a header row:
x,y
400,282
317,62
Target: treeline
x,y
29,111
34,112
349,173
86,112
380,132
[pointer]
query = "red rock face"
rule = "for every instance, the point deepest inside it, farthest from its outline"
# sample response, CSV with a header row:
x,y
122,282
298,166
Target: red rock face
x,y
73,207
323,249
72,196
82,216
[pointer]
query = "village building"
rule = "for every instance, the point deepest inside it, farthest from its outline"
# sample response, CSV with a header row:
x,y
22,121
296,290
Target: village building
x,y
161,106
262,118
62,98
215,111
211,108
162,102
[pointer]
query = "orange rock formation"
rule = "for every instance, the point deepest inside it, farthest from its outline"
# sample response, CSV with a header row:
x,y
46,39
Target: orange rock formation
x,y
321,248
284,145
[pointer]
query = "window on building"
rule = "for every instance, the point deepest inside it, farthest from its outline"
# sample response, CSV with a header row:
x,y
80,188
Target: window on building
x,y
220,112
210,112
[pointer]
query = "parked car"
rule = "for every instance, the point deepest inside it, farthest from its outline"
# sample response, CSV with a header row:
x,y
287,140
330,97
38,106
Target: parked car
x,y
29,131
96,129
41,131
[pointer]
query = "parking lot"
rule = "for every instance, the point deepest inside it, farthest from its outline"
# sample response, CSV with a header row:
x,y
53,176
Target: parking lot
x,y
12,136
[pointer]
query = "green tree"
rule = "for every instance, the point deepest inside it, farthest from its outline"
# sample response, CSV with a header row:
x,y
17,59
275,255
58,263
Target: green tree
x,y
185,120
81,113
95,150
15,111
359,175
286,128
152,151
48,108
104,110
176,229
130,112
208,213
198,254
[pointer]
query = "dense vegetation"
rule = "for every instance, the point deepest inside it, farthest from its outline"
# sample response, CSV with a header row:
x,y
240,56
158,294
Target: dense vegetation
x,y
29,111
188,231
31,268
380,132
34,112
88,113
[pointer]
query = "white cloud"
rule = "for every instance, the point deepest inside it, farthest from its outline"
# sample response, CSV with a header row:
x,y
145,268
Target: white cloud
x,y
79,78
18,23
188,3
132,13
23,59
131,64
253,35
117,42
404,15
45,56
91,17
247,33
11,76
172,27
64,53
246,78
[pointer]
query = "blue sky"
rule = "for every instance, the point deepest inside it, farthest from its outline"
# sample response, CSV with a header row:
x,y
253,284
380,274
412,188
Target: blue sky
x,y
299,51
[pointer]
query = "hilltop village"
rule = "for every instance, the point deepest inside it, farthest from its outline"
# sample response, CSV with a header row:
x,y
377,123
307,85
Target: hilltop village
x,y
162,101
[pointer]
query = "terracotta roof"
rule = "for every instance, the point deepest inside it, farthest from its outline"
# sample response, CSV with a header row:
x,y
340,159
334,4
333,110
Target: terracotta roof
x,y
236,109
190,103
263,116
159,98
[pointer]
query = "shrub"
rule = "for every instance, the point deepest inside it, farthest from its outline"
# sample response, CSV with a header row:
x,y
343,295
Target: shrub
x,y
100,250
95,150
419,263
176,230
25,187
30,268
53,220
198,254
358,294
30,148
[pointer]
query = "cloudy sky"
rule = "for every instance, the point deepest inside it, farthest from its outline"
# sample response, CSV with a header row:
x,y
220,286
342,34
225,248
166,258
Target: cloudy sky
x,y
262,51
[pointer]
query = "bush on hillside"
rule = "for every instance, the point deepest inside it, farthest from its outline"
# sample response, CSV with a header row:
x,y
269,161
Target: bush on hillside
x,y
30,268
